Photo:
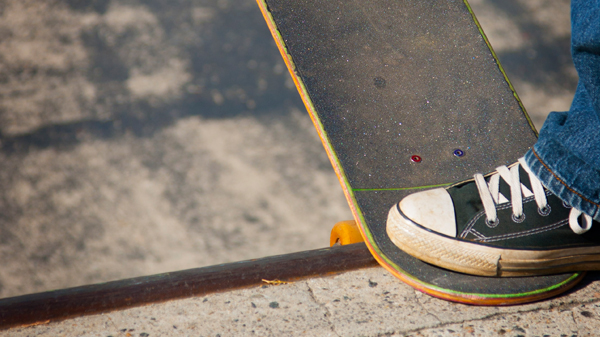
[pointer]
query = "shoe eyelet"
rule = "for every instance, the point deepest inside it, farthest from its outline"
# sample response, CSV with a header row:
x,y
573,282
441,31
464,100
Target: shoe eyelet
x,y
518,219
492,224
565,205
545,211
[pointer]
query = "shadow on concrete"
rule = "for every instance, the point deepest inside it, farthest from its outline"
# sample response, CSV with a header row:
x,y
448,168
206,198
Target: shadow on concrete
x,y
232,64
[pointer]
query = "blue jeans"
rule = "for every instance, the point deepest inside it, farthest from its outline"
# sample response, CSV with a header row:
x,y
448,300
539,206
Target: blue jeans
x,y
566,157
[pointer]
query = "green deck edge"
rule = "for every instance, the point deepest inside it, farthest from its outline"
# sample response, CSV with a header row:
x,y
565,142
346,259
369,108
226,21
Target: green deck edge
x,y
399,188
487,42
515,295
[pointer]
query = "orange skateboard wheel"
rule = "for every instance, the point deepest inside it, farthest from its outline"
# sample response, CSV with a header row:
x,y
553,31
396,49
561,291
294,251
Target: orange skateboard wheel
x,y
345,233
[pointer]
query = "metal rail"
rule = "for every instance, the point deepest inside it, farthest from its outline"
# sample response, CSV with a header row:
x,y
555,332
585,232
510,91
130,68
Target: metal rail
x,y
118,295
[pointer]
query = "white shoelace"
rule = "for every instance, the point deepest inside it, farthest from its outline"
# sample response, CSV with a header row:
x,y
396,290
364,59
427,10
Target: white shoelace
x,y
491,196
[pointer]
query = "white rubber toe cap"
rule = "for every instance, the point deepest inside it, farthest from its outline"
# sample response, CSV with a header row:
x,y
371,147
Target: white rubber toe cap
x,y
432,209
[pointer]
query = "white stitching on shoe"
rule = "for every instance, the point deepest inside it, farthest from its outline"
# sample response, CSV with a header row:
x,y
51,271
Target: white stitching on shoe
x,y
527,232
482,238
478,235
471,223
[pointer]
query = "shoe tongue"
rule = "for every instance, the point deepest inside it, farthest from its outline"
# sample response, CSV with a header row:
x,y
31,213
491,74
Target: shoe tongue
x,y
523,177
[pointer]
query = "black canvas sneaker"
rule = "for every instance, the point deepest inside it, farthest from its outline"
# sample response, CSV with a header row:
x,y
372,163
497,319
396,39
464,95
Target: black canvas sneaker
x,y
504,224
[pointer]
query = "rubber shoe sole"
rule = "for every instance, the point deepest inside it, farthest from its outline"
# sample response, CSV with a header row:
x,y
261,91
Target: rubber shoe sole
x,y
478,259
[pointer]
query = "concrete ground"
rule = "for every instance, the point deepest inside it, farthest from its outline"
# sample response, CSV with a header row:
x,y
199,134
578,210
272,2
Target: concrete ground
x,y
367,302
140,137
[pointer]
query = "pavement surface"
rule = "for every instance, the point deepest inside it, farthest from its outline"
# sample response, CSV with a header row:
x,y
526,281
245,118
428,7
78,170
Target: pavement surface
x,y
367,302
145,137
139,137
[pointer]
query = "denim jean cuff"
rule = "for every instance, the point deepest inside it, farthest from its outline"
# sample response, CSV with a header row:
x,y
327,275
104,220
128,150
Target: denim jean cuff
x,y
565,175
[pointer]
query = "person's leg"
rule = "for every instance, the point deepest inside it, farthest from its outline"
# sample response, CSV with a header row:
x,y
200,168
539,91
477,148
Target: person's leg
x,y
525,219
566,157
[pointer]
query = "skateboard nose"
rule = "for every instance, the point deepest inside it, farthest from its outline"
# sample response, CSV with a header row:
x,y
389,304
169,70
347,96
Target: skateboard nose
x,y
432,209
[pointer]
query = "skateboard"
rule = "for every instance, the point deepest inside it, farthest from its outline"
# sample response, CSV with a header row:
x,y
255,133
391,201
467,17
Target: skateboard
x,y
407,95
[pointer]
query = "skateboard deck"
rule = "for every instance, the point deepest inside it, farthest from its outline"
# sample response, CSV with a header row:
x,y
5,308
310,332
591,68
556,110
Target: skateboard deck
x,y
407,95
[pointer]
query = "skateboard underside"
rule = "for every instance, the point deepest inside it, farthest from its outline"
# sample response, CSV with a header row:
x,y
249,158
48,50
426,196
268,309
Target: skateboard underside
x,y
407,95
